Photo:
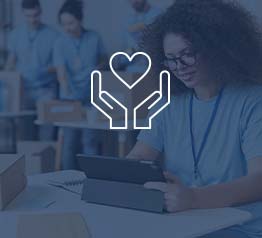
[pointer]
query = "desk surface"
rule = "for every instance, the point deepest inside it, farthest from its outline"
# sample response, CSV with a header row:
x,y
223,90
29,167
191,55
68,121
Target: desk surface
x,y
17,114
106,221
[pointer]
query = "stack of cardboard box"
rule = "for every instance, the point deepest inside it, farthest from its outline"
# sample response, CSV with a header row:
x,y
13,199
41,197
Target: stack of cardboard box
x,y
12,178
59,111
39,156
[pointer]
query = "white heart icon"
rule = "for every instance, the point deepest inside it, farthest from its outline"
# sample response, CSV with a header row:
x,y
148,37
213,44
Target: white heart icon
x,y
130,58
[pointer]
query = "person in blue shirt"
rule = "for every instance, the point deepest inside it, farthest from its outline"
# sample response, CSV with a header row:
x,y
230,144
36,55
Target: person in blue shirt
x,y
30,49
141,15
77,53
211,133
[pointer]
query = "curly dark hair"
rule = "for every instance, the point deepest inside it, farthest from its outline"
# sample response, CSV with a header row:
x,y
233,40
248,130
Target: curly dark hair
x,y
223,33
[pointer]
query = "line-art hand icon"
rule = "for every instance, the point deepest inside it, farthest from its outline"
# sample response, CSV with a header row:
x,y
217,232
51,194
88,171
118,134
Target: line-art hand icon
x,y
108,109
109,105
157,98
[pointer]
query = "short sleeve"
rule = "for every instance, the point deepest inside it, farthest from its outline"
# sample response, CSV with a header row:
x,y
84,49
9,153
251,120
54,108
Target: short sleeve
x,y
251,124
153,137
58,54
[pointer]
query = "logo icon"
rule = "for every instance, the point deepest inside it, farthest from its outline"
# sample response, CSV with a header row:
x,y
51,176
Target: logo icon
x,y
130,60
108,103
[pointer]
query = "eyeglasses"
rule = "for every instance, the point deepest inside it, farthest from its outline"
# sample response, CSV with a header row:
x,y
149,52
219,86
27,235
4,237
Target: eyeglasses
x,y
187,59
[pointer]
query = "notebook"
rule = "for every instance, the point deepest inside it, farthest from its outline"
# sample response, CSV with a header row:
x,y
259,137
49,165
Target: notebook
x,y
73,183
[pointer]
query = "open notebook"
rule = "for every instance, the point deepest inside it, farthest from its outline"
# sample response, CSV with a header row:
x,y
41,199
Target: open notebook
x,y
73,183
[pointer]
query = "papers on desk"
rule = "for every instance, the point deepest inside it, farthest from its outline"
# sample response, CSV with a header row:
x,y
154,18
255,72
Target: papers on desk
x,y
34,198
72,184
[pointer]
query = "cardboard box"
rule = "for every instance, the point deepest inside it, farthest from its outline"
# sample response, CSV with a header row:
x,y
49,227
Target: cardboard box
x,y
52,225
129,98
125,195
39,156
12,178
11,92
59,111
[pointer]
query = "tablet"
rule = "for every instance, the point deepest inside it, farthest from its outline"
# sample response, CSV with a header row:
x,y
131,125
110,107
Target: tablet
x,y
121,169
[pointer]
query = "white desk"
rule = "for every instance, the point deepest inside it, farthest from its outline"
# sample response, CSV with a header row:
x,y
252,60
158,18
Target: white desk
x,y
113,222
11,117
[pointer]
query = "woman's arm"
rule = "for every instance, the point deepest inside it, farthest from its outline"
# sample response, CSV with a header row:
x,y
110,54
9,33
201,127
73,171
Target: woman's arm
x,y
243,190
141,151
179,197
62,79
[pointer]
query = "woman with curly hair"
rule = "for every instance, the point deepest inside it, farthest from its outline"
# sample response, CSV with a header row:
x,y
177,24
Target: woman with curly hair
x,y
211,133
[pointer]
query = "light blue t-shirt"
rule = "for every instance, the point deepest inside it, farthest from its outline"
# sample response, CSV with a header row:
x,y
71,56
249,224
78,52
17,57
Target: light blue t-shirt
x,y
34,54
234,139
80,57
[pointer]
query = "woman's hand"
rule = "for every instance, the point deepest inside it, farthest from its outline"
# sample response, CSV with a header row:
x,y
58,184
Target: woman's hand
x,y
178,197
63,81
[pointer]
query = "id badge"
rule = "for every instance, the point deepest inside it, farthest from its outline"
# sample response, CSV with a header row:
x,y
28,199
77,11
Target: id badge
x,y
197,181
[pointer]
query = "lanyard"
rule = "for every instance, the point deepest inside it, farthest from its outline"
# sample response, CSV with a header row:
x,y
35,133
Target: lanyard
x,y
197,156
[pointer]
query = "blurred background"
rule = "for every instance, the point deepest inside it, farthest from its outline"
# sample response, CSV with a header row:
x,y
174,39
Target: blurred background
x,y
111,15
109,19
